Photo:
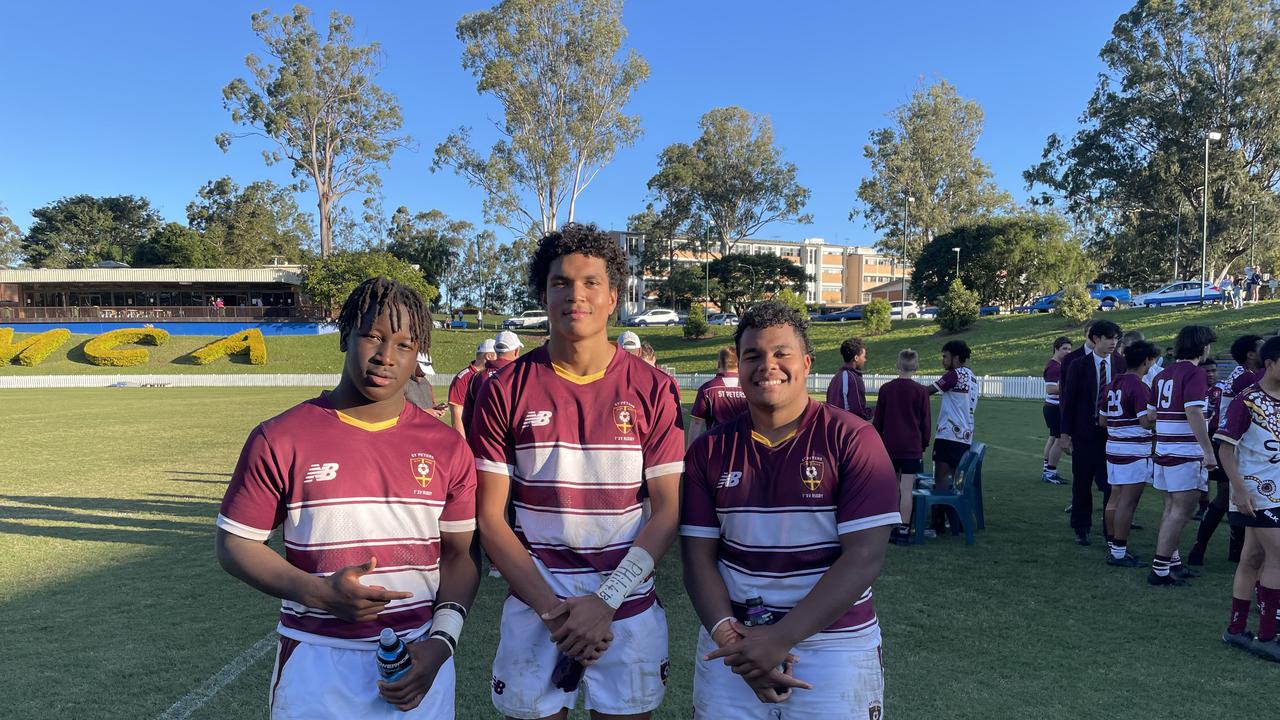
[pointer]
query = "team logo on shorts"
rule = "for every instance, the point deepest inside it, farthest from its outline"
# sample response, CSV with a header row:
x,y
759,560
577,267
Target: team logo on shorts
x,y
874,711
811,471
624,416
423,466
498,686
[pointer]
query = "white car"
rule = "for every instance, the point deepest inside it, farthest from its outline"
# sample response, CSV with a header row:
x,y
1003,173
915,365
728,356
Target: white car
x,y
722,319
1183,292
899,308
655,316
527,320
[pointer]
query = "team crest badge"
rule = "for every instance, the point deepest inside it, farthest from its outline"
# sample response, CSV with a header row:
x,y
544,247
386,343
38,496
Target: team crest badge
x,y
811,472
423,466
874,711
624,416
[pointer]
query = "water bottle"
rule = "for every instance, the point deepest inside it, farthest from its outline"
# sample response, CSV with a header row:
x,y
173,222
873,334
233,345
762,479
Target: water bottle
x,y
757,613
393,657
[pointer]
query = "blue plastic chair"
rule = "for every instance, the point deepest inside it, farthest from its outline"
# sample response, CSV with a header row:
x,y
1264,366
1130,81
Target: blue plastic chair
x,y
964,498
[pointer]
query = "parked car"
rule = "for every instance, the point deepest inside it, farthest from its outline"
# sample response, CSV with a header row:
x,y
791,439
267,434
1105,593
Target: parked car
x,y
656,316
929,312
899,309
853,313
722,319
527,320
1184,292
1107,297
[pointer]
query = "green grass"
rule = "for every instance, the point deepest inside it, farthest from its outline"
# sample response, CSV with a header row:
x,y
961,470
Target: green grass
x,y
114,606
1005,345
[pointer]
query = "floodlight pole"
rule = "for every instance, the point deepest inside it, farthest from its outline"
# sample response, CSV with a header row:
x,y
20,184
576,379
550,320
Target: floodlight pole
x,y
1204,233
906,213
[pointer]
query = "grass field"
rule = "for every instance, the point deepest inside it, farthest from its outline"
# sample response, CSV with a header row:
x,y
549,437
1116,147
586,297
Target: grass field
x,y
114,605
1006,345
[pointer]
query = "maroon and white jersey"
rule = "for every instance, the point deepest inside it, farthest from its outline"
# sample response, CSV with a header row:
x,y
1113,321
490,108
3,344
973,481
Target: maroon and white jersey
x,y
345,491
1178,387
959,390
1124,402
491,368
1052,374
578,451
779,511
719,400
461,383
1213,408
1252,424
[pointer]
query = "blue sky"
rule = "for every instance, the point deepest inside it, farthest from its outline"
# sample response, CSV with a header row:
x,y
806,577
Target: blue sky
x,y
125,97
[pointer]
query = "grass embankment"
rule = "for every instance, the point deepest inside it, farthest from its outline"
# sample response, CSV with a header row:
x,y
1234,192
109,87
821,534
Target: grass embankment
x,y
107,569
1005,345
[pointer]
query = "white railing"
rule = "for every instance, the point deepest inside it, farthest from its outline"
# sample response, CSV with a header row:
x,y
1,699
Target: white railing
x,y
992,386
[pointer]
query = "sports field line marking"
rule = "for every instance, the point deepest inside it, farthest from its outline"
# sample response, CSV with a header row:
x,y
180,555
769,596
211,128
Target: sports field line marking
x,y
196,699
1013,450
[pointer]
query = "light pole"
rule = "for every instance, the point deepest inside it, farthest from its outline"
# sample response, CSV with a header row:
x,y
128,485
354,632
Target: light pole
x,y
956,250
906,213
1204,234
1253,233
1177,242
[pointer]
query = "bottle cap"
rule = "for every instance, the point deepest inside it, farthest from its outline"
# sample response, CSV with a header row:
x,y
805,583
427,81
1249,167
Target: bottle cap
x,y
387,638
755,601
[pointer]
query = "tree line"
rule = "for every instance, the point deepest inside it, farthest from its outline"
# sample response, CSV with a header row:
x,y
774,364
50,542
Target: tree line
x,y
1117,201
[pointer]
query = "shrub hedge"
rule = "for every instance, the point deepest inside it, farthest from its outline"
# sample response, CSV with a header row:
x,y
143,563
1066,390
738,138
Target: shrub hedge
x,y
248,342
34,350
104,349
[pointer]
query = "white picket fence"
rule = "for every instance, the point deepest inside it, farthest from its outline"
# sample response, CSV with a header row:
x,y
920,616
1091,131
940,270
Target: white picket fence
x,y
992,386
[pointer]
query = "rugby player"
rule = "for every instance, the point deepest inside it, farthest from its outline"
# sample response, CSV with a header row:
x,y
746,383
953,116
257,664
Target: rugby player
x,y
462,383
1052,413
1128,413
954,434
719,399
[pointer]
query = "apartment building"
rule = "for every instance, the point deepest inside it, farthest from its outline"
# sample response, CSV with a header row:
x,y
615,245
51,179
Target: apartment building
x,y
838,274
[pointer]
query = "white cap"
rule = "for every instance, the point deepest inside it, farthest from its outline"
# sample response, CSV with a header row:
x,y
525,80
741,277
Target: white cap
x,y
424,361
629,341
506,342
485,347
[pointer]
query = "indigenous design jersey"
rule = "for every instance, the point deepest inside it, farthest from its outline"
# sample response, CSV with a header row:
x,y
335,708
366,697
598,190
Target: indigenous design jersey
x,y
959,390
345,491
1233,385
1253,426
578,451
461,383
1125,401
719,400
779,511
1052,374
1178,387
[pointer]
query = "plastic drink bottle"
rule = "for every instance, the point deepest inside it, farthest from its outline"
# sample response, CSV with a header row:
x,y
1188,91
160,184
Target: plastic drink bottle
x,y
393,656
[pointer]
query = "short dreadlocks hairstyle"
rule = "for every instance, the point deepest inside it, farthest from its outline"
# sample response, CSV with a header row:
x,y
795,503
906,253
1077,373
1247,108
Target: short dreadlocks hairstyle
x,y
584,239
772,313
374,295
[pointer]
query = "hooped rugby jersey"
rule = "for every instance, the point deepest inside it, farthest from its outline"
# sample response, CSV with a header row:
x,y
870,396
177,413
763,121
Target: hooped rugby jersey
x,y
343,491
461,383
1252,425
959,390
579,450
1180,386
1052,375
779,510
1124,401
719,400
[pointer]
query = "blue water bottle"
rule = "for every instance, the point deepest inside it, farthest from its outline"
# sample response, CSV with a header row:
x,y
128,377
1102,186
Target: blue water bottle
x,y
393,656
757,614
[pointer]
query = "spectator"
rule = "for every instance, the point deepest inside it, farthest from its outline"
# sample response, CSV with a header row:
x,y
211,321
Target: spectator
x,y
847,391
903,418
630,342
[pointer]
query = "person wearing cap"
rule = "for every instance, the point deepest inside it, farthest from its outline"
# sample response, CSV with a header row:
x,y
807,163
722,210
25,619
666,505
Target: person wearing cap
x,y
506,346
462,383
419,391
629,342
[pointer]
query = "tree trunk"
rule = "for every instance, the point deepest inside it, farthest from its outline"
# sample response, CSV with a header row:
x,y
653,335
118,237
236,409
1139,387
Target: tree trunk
x,y
326,227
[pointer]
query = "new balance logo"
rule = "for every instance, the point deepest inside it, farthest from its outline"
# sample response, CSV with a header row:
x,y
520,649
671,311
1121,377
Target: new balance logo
x,y
729,479
321,472
536,418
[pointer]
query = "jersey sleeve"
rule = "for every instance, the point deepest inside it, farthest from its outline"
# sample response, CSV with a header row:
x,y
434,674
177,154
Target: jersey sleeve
x,y
459,514
835,391
1235,424
947,381
698,516
867,493
254,503
489,429
701,406
1195,389
664,443
458,388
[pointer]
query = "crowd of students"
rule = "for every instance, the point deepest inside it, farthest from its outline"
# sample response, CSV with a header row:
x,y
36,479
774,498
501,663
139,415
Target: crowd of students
x,y
1131,415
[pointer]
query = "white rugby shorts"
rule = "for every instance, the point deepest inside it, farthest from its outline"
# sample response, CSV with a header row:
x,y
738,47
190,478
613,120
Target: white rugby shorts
x,y
317,681
848,684
1134,473
1182,477
629,679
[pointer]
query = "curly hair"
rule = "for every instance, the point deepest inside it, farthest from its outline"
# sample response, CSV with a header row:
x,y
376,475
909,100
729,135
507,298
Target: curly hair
x,y
772,313
850,348
371,297
584,239
959,349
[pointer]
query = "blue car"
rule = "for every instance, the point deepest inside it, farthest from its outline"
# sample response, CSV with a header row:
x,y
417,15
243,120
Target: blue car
x,y
853,313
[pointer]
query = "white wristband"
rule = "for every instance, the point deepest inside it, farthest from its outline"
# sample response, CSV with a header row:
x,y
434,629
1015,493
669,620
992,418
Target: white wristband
x,y
447,622
634,568
723,620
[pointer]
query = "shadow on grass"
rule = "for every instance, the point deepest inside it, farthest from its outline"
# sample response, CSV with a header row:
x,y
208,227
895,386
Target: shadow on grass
x,y
110,520
76,354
